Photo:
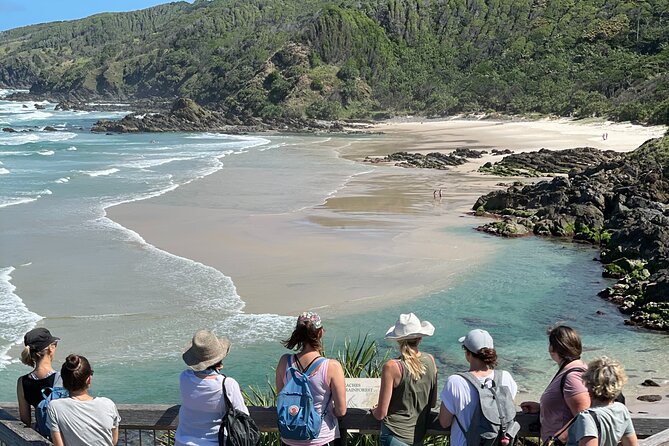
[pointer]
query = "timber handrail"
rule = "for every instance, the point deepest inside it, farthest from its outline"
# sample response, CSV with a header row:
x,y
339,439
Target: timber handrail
x,y
159,417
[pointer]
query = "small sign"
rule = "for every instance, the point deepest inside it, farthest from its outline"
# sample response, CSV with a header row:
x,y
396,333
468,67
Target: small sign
x,y
362,393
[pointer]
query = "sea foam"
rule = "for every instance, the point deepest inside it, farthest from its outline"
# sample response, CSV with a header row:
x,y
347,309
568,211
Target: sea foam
x,y
100,173
15,318
15,201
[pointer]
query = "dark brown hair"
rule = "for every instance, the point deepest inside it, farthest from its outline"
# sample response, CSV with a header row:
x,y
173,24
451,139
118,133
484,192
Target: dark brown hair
x,y
75,372
487,355
565,342
304,334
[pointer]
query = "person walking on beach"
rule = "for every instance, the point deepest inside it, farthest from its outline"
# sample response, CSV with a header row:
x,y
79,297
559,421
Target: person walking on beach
x,y
606,422
326,382
201,386
39,350
566,395
459,399
81,419
408,385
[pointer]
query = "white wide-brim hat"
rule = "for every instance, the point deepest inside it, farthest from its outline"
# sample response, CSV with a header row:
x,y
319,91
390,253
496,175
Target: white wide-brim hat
x,y
205,350
408,326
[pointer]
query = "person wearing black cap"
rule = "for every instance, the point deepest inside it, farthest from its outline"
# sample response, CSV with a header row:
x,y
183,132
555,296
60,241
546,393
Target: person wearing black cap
x,y
40,347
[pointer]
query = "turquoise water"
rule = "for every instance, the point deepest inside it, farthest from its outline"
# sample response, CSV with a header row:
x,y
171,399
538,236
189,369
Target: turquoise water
x,y
131,307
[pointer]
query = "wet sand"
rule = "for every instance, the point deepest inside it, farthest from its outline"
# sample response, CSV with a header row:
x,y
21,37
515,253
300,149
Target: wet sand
x,y
379,239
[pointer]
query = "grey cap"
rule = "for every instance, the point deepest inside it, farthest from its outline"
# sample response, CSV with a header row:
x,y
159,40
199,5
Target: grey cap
x,y
476,340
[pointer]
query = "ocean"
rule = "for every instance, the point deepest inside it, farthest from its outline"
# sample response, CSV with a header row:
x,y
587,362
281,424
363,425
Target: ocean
x,y
132,307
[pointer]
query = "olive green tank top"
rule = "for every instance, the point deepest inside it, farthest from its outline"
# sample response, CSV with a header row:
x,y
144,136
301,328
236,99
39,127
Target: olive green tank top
x,y
409,404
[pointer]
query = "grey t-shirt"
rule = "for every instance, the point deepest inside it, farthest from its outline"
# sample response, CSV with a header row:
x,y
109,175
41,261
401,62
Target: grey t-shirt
x,y
83,423
614,423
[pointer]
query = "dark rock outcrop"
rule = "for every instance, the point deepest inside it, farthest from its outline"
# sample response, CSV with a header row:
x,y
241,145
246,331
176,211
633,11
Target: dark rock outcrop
x,y
547,162
188,116
619,202
435,160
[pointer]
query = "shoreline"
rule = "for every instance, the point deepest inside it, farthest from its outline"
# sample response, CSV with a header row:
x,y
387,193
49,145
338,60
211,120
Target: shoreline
x,y
395,201
389,211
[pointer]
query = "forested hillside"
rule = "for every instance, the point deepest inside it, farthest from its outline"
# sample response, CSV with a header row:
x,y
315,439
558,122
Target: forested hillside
x,y
364,58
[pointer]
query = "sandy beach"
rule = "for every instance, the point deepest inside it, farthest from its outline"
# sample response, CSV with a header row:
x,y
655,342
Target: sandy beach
x,y
379,238
384,223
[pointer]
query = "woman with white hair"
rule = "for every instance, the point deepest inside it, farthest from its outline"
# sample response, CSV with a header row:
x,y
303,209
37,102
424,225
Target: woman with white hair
x,y
606,422
408,385
202,401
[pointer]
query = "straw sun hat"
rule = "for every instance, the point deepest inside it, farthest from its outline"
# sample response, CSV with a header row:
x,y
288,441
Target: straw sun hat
x,y
408,326
205,350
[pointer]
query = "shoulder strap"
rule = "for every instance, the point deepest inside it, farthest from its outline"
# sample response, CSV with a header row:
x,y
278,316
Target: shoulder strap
x,y
598,425
564,377
228,403
313,364
471,379
566,426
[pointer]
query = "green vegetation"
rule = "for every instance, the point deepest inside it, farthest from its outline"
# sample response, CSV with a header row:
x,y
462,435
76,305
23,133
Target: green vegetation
x,y
361,58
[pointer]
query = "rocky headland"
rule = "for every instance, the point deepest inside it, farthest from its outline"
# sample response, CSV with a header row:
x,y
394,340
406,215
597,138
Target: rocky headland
x,y
187,116
615,201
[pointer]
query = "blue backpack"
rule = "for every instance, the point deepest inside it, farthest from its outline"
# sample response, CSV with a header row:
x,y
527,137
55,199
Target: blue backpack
x,y
298,419
49,394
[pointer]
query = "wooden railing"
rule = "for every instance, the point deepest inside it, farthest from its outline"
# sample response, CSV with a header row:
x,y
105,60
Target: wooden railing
x,y
152,424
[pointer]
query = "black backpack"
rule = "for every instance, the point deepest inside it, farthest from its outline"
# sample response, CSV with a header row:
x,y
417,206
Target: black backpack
x,y
237,428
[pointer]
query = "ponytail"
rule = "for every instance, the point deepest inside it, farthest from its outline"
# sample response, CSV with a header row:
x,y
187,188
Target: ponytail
x,y
30,357
410,357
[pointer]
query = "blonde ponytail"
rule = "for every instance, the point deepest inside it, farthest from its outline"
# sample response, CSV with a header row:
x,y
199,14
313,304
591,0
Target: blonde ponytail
x,y
31,358
410,357
27,358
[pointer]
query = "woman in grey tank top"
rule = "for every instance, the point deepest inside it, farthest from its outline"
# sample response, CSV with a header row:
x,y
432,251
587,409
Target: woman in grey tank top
x,y
408,386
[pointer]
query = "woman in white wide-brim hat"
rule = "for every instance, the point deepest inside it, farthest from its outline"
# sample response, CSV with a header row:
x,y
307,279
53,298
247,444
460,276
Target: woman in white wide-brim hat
x,y
201,386
408,385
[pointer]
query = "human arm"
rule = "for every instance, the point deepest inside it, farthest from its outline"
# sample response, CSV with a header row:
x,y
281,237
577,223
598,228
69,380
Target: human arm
x,y
433,391
629,440
529,407
337,387
390,375
576,404
445,417
57,439
24,407
115,435
235,396
280,373
588,441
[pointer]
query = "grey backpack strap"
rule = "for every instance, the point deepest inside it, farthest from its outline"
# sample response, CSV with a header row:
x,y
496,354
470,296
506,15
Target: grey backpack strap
x,y
476,384
471,379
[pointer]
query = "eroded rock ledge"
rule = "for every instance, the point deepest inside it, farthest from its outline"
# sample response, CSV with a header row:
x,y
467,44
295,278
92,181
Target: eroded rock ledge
x,y
619,204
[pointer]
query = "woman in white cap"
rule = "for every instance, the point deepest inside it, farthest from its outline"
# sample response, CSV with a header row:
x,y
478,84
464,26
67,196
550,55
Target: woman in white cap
x,y
459,399
201,385
39,350
408,385
326,381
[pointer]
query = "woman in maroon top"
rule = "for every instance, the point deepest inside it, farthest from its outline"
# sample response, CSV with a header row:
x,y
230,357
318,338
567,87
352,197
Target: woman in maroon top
x,y
40,347
566,395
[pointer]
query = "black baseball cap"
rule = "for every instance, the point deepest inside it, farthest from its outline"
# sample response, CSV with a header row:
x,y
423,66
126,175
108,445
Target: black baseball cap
x,y
38,339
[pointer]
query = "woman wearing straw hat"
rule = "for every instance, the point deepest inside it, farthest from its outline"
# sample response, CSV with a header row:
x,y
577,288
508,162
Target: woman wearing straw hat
x,y
326,382
40,348
201,386
408,385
